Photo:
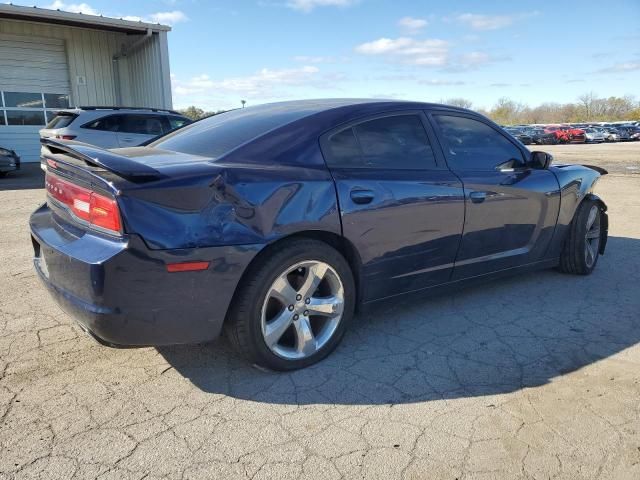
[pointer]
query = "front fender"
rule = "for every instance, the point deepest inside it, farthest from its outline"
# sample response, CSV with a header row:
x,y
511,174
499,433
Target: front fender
x,y
577,183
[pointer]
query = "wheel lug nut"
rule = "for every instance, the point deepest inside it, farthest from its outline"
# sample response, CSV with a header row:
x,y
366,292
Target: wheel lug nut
x,y
296,317
298,297
291,308
306,313
307,301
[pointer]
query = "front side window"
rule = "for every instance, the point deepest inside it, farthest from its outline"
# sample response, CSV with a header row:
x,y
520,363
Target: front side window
x,y
473,145
395,142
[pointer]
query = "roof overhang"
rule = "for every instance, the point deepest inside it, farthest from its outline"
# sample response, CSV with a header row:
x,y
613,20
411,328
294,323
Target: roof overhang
x,y
95,22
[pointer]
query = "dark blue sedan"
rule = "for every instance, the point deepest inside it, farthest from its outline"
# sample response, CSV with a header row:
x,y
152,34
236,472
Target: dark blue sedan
x,y
276,222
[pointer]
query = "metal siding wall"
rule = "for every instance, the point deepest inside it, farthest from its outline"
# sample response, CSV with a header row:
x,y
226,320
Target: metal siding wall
x,y
144,74
146,79
88,53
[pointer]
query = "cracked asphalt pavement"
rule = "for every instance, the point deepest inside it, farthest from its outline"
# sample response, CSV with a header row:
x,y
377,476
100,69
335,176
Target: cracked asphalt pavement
x,y
532,377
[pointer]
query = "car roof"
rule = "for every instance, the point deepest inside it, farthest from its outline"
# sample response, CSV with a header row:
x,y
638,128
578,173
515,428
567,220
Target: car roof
x,y
107,110
314,106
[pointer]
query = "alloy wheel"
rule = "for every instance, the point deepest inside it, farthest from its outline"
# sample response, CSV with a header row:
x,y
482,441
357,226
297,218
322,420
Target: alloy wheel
x,y
302,309
592,237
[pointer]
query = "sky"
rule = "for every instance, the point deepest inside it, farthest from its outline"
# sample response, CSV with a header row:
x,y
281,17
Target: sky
x,y
222,52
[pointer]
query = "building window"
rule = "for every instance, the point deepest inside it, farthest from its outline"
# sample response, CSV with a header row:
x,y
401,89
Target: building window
x,y
30,108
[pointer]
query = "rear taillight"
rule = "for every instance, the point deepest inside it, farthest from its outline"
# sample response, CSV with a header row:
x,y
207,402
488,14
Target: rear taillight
x,y
65,137
91,207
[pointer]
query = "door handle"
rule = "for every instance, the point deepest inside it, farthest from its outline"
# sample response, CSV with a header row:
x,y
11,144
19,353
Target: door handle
x,y
478,197
361,197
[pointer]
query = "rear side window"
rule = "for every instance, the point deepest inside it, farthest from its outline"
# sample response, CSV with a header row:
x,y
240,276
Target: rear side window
x,y
217,135
396,142
473,145
61,121
110,123
141,124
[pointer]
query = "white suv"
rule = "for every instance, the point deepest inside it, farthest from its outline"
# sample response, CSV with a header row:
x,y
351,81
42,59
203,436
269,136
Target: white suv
x,y
112,127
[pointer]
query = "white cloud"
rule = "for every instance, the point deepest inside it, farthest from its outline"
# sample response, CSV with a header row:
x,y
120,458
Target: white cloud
x,y
436,82
166,18
473,60
479,21
263,83
621,68
309,5
73,7
411,25
430,52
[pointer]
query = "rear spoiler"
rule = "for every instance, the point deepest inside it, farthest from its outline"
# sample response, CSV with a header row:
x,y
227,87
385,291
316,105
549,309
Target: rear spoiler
x,y
119,164
600,170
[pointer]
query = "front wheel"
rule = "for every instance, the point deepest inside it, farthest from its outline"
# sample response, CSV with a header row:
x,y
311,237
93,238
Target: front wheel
x,y
293,306
582,246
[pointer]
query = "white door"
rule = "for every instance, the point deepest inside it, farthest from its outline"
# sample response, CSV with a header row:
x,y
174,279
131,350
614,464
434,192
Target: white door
x,y
34,77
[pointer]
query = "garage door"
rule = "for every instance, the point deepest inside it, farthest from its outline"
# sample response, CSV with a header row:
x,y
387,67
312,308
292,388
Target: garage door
x,y
34,81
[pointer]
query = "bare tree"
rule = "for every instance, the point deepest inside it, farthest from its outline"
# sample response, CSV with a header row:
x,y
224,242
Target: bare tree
x,y
458,102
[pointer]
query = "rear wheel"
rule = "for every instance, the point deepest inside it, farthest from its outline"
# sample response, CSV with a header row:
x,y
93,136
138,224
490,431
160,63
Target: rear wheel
x,y
582,246
294,306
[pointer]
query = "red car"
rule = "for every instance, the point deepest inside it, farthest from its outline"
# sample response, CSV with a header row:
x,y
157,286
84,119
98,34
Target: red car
x,y
576,135
561,135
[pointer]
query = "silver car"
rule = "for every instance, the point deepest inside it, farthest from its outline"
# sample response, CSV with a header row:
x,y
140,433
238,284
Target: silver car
x,y
593,135
112,127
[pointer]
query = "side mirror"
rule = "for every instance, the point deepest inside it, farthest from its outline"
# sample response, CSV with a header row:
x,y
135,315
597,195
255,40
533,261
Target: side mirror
x,y
540,160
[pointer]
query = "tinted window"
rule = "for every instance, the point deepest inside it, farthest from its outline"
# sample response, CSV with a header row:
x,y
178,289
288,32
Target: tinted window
x,y
141,124
25,117
60,121
398,142
344,150
395,142
474,145
177,122
219,134
110,123
22,100
2,117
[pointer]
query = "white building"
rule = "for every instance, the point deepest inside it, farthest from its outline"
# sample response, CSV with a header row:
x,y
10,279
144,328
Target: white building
x,y
51,59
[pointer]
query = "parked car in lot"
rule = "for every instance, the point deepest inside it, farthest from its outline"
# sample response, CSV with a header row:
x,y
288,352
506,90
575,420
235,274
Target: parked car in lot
x,y
276,221
9,161
611,134
559,133
576,135
541,137
520,135
594,135
112,127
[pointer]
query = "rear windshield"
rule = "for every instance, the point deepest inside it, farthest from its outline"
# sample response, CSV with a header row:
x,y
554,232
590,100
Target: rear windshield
x,y
215,136
62,120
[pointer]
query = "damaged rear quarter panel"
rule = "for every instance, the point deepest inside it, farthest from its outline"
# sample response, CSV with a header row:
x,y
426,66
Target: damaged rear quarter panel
x,y
231,204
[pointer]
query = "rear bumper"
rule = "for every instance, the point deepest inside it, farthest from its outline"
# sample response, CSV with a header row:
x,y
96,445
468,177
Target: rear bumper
x,y
120,291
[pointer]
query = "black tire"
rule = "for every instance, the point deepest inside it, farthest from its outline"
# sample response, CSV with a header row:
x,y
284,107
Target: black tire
x,y
243,324
574,258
